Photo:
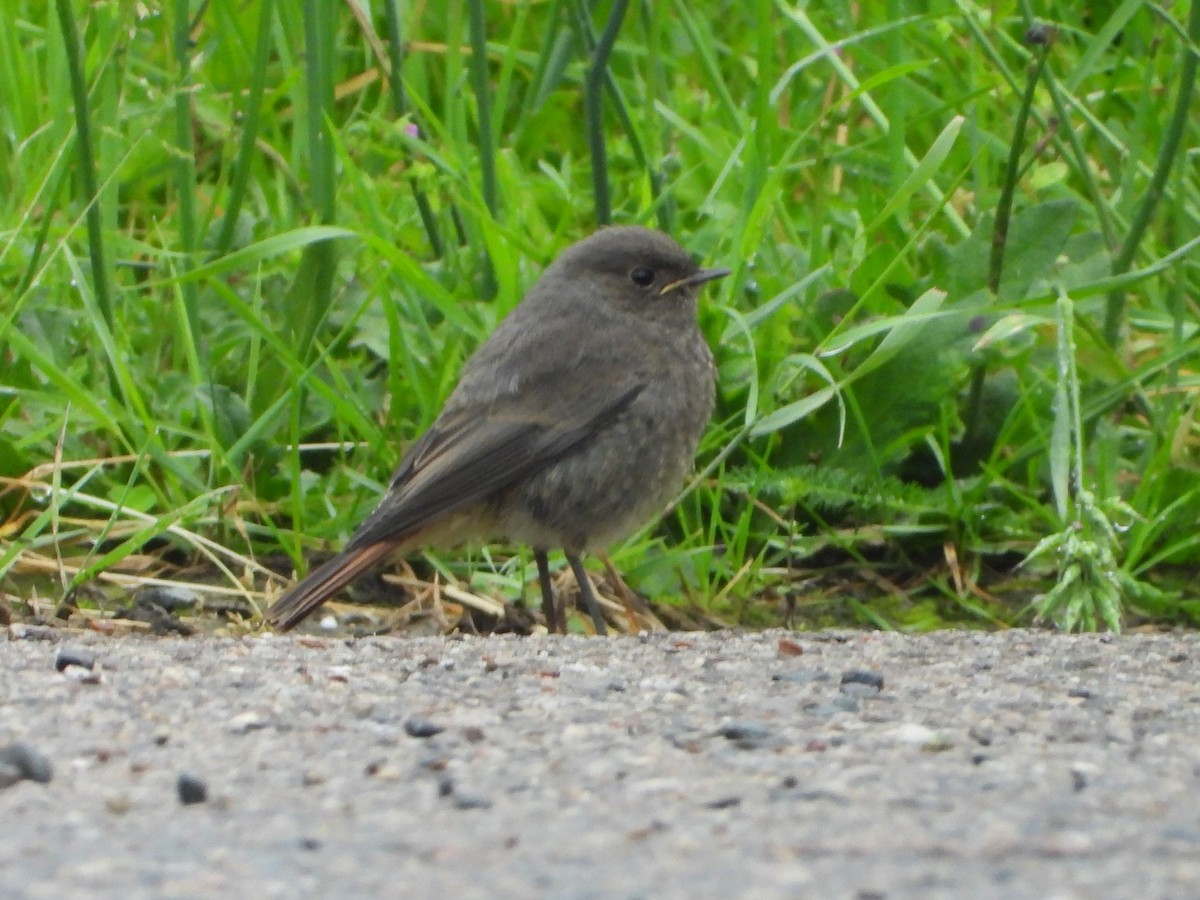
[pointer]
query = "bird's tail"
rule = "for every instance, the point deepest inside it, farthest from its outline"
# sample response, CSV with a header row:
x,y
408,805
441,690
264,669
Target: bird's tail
x,y
301,599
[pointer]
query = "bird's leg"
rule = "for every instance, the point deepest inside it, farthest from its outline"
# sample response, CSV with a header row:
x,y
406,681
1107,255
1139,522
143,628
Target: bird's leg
x,y
555,615
585,591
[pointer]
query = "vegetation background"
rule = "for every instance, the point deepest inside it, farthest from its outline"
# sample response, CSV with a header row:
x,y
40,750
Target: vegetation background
x,y
245,248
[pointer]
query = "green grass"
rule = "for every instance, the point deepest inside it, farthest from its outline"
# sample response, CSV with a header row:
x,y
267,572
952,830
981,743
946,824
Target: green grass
x,y
242,258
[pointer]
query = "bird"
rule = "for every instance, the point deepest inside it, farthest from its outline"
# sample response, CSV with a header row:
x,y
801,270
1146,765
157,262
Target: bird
x,y
572,425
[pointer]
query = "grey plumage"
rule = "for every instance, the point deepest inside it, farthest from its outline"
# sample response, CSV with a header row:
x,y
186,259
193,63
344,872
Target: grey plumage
x,y
571,426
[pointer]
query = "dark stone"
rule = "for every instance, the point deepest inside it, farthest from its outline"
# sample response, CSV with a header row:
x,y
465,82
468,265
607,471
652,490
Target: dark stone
x,y
724,803
746,735
470,801
422,728
191,789
73,656
863,676
738,731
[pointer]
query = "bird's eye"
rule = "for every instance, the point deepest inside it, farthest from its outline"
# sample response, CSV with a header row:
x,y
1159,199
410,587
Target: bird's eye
x,y
642,277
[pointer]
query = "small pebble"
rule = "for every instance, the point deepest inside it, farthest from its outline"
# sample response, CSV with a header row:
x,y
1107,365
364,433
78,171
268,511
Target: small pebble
x,y
723,803
73,656
244,723
436,763
746,735
422,728
788,647
863,676
656,826
168,597
737,731
981,734
914,733
471,801
384,772
1082,774
362,707
939,743
446,788
191,789
929,740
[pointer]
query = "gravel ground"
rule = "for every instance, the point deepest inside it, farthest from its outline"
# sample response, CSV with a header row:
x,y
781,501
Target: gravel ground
x,y
849,764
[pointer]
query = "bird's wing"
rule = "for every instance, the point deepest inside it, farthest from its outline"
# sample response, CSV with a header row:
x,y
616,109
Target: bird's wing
x,y
476,450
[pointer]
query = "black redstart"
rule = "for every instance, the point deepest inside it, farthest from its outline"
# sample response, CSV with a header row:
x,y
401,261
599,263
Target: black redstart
x,y
572,425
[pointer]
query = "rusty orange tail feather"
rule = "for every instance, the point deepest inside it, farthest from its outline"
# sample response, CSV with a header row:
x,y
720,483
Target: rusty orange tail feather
x,y
301,599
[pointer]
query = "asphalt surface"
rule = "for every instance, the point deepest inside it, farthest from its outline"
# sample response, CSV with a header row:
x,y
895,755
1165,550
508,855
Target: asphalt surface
x,y
833,765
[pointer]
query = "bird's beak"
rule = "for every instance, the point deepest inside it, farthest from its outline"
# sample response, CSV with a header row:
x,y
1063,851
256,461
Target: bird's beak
x,y
699,278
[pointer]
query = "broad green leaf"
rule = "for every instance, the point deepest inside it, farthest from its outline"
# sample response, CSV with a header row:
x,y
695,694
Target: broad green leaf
x,y
1036,237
